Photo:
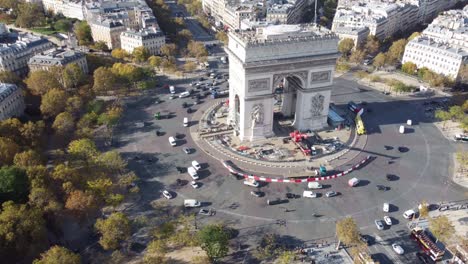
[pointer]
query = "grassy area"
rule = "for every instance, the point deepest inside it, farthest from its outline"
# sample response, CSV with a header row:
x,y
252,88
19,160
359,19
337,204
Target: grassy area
x,y
44,30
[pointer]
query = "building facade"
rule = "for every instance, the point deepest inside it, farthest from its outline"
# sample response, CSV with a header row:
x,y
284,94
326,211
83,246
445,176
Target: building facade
x,y
68,8
11,101
358,35
58,57
299,58
150,38
107,31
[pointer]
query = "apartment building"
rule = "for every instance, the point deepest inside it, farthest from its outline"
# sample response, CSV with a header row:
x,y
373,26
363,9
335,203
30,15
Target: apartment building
x,y
68,8
107,31
358,35
58,57
150,38
11,101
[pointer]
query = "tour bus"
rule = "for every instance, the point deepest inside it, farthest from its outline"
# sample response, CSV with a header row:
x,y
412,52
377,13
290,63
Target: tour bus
x,y
426,244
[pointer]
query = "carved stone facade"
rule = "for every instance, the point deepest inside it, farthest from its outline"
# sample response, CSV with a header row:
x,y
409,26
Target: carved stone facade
x,y
259,85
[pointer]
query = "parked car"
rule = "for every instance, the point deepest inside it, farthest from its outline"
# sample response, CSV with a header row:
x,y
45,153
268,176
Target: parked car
x,y
187,150
292,196
398,249
382,188
379,224
331,194
208,212
256,193
184,94
194,184
409,214
251,182
386,207
167,194
309,194
387,220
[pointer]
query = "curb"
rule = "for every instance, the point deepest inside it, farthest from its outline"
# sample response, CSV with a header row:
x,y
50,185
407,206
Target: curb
x,y
266,179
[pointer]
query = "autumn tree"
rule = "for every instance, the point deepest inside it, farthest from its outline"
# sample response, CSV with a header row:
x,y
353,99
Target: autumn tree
x,y
462,73
155,61
112,161
14,184
72,75
286,257
414,35
169,50
83,33
80,202
396,51
409,68
100,45
32,132
53,102
113,230
185,35
8,150
22,230
29,15
83,148
347,232
104,80
41,81
110,117
346,46
223,37
10,77
214,240
380,60
27,159
155,251
44,198
119,53
423,209
372,44
456,112
64,124
444,116
58,255
74,105
169,65
190,66
442,228
357,56
140,54
197,49
11,128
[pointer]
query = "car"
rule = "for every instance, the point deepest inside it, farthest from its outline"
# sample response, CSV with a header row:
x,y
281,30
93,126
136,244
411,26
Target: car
x,y
389,177
309,194
196,165
387,220
189,110
379,224
408,214
172,97
252,183
292,196
366,239
167,194
187,150
331,194
424,258
184,105
179,182
386,207
201,79
256,193
207,212
184,94
381,188
194,184
398,249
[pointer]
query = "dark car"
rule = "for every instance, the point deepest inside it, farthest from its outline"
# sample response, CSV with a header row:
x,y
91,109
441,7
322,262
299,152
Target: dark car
x,y
382,188
179,182
366,239
184,104
189,110
423,258
292,196
276,201
201,79
256,194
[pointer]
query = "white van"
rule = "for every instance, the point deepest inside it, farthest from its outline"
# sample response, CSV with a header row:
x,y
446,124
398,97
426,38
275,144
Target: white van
x,y
185,122
251,182
191,203
172,89
409,214
184,94
172,141
309,194
353,182
386,207
193,173
196,165
402,129
314,185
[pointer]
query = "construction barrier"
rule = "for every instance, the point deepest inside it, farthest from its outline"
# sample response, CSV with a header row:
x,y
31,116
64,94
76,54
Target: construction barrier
x,y
265,179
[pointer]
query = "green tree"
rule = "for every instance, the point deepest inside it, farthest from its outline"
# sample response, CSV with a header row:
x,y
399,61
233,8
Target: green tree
x,y
347,232
14,184
465,106
169,50
83,148
72,75
396,51
223,37
53,102
58,255
372,45
28,158
22,230
286,257
41,81
63,25
442,228
409,68
100,45
83,33
64,124
462,73
113,230
140,54
104,80
119,53
74,105
346,46
8,150
214,240
155,61
10,77
456,112
380,60
100,186
29,15
443,116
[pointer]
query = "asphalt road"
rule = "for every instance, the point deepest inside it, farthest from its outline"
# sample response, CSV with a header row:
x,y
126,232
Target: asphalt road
x,y
198,32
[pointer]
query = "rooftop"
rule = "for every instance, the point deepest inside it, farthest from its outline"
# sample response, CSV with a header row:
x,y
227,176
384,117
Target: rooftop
x,y
6,89
56,57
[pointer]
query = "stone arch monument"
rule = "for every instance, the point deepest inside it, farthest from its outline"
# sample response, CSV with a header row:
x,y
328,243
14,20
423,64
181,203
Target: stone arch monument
x,y
300,58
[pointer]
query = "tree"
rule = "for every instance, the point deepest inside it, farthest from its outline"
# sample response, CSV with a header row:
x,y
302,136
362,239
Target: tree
x,y
214,240
462,73
456,112
423,210
53,102
72,75
286,257
10,128
345,46
28,158
112,161
110,117
414,35
32,132
155,61
155,251
443,115
140,54
104,80
347,232
119,53
190,66
409,68
83,148
9,77
41,81
113,230
169,50
100,45
395,53
8,150
80,202
197,49
64,124
380,60
63,25
372,45
58,255
100,186
223,37
168,65
83,33
441,227
74,105
29,15
357,56
185,35
14,184
44,198
465,106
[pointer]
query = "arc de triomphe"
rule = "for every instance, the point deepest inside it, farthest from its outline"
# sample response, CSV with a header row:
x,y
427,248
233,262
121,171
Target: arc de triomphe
x,y
298,58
